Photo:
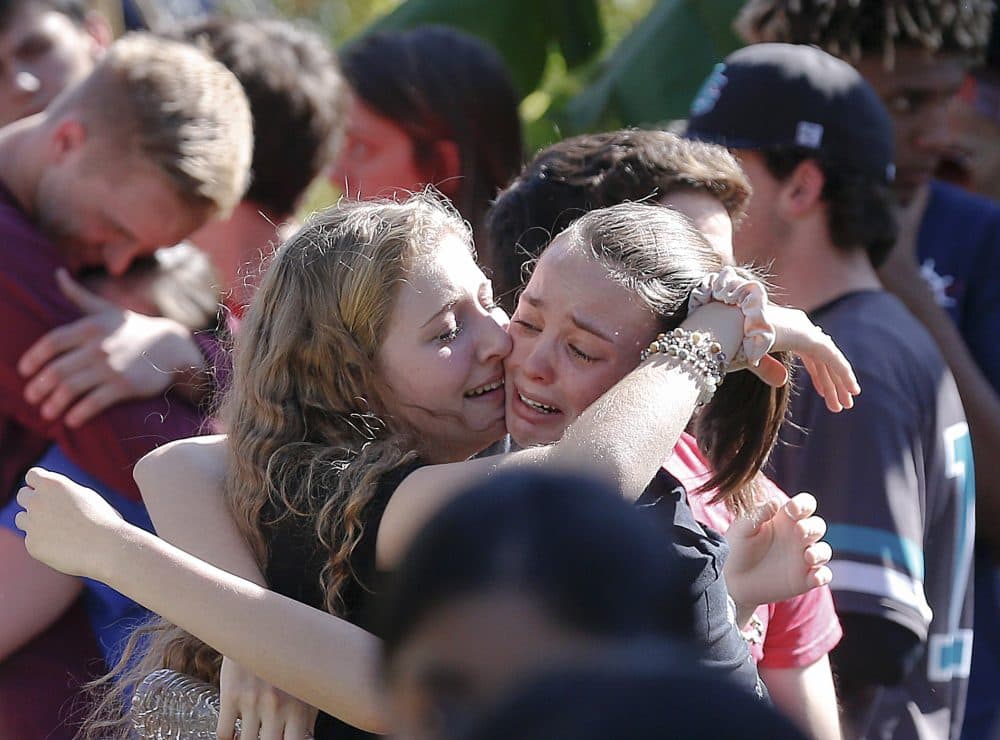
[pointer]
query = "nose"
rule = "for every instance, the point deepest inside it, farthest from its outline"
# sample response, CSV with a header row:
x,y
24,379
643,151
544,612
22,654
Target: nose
x,y
495,343
537,363
933,135
119,257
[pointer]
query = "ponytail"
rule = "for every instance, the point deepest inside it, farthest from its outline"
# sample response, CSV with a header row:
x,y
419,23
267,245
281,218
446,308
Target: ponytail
x,y
737,430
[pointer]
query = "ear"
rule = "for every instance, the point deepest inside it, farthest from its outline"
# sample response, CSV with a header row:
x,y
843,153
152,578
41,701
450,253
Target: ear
x,y
66,139
802,191
99,30
447,167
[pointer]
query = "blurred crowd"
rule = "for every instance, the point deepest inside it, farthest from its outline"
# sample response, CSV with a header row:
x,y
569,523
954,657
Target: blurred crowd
x,y
656,432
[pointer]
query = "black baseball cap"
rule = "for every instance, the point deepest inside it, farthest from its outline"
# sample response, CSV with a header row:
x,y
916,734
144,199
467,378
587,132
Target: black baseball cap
x,y
778,96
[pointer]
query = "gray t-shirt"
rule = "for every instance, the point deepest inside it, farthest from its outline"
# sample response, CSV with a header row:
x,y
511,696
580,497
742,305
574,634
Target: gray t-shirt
x,y
894,480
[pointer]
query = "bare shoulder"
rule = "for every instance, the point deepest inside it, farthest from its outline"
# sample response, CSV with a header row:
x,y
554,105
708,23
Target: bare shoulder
x,y
185,459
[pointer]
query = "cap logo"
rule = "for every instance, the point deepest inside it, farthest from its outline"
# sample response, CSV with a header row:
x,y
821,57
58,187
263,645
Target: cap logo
x,y
809,134
710,91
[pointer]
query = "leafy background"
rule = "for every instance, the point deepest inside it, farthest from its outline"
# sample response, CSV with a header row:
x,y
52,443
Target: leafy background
x,y
580,65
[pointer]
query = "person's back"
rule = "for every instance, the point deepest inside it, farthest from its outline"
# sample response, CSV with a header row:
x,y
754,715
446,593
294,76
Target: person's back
x,y
897,490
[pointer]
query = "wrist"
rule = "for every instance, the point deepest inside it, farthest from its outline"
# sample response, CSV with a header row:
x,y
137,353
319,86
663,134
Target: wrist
x,y
722,321
111,545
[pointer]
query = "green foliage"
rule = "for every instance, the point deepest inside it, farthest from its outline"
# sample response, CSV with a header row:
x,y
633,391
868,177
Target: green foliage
x,y
522,31
581,65
654,73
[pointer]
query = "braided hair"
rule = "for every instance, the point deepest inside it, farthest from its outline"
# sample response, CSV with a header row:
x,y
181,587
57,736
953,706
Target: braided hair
x,y
851,29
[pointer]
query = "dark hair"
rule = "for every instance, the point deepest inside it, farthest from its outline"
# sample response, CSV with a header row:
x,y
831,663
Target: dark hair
x,y
567,179
642,696
851,29
859,209
593,562
298,100
659,255
437,84
75,10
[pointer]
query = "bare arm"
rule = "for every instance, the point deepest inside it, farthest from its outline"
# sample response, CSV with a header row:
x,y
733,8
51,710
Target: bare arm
x,y
182,487
32,595
327,662
806,695
627,433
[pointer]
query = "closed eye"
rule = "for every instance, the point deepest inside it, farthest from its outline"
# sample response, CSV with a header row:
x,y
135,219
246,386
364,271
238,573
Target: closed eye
x,y
451,335
580,354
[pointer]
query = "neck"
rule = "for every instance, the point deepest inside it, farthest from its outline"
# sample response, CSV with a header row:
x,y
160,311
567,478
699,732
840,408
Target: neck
x,y
811,271
236,246
21,165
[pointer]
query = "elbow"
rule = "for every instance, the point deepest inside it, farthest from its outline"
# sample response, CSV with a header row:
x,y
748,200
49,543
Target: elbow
x,y
149,468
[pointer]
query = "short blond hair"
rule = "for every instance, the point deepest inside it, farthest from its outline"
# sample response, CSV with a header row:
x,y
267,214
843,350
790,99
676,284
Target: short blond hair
x,y
175,106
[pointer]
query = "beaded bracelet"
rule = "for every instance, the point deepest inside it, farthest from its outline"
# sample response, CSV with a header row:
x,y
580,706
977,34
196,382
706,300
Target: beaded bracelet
x,y
697,353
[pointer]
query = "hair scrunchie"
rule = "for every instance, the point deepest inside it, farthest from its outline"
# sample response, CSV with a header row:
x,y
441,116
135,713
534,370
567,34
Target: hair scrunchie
x,y
729,287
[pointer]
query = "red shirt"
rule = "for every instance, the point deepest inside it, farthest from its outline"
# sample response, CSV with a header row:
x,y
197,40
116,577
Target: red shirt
x,y
797,632
31,304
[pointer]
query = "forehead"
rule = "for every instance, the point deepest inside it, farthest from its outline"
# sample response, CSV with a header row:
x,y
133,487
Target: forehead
x,y
28,18
697,205
442,272
915,69
570,281
146,205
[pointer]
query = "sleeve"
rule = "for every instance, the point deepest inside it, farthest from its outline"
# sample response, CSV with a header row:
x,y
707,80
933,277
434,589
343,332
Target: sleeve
x,y
109,445
862,468
802,630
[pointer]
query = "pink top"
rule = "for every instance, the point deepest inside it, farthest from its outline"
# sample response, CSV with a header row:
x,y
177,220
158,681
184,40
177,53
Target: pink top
x,y
795,633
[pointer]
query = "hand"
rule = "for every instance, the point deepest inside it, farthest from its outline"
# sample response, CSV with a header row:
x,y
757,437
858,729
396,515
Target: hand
x,y
260,708
64,522
831,373
109,355
900,272
776,553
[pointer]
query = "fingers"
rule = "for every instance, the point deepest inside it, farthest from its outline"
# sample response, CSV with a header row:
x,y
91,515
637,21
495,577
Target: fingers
x,y
818,554
800,506
55,343
226,729
58,387
811,529
771,371
99,399
85,300
249,724
818,577
297,727
751,523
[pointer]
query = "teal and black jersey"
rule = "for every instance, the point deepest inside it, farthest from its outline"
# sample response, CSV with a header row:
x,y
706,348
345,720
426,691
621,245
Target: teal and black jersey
x,y
894,480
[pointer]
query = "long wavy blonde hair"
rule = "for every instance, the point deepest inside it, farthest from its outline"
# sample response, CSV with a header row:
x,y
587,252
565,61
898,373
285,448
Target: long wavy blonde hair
x,y
309,432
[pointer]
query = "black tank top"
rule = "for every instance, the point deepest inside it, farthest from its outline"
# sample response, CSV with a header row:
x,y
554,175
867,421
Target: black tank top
x,y
296,560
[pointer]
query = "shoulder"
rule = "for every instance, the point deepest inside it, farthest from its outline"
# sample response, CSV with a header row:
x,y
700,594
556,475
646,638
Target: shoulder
x,y
204,457
956,219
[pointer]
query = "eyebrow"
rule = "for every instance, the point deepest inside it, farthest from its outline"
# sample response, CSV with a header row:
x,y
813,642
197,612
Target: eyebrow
x,y
446,307
580,323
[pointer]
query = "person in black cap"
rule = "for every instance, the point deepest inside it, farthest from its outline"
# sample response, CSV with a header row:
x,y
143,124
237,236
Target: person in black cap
x,y
915,54
895,479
